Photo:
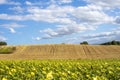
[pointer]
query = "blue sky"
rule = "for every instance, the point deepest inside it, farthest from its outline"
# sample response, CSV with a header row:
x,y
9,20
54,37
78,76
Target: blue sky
x,y
24,22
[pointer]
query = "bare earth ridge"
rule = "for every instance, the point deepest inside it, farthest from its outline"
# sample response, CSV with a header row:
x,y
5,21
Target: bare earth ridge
x,y
63,51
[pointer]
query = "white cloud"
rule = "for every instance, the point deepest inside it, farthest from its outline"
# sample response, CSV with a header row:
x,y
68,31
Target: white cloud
x,y
103,34
106,3
28,3
96,38
49,32
62,30
2,38
59,2
37,3
55,14
65,1
11,17
2,1
72,19
11,26
117,20
17,9
64,15
69,19
10,2
37,38
12,30
89,14
92,14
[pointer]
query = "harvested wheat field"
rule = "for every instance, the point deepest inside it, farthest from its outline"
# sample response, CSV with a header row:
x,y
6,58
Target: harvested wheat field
x,y
63,51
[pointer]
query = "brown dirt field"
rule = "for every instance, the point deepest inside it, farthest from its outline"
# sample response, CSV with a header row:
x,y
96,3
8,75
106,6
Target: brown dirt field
x,y
63,51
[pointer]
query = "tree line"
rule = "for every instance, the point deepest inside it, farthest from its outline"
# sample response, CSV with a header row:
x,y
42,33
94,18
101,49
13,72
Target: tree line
x,y
82,43
106,43
111,43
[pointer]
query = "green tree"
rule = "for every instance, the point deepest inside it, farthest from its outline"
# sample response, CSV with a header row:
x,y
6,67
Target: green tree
x,y
118,43
84,42
111,43
2,43
114,42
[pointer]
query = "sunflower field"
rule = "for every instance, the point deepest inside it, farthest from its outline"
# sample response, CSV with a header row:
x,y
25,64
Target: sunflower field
x,y
60,70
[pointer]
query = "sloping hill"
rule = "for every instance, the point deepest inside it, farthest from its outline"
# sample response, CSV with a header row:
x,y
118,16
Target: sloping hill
x,y
63,52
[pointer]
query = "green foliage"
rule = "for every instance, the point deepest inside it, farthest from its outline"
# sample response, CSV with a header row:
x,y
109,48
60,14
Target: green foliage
x,y
60,70
84,42
111,43
6,50
3,43
63,43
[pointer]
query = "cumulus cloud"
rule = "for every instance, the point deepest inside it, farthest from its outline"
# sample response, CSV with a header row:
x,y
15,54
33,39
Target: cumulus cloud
x,y
2,1
63,30
106,3
17,9
63,14
28,3
37,38
10,2
11,17
72,19
117,20
11,26
37,3
12,30
55,14
103,34
46,36
59,2
96,38
64,1
89,14
103,37
69,19
92,14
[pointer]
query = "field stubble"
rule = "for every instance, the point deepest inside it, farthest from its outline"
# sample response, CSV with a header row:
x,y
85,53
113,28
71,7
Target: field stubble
x,y
63,51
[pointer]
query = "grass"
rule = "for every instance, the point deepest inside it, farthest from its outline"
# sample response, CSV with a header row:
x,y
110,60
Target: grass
x,y
7,50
